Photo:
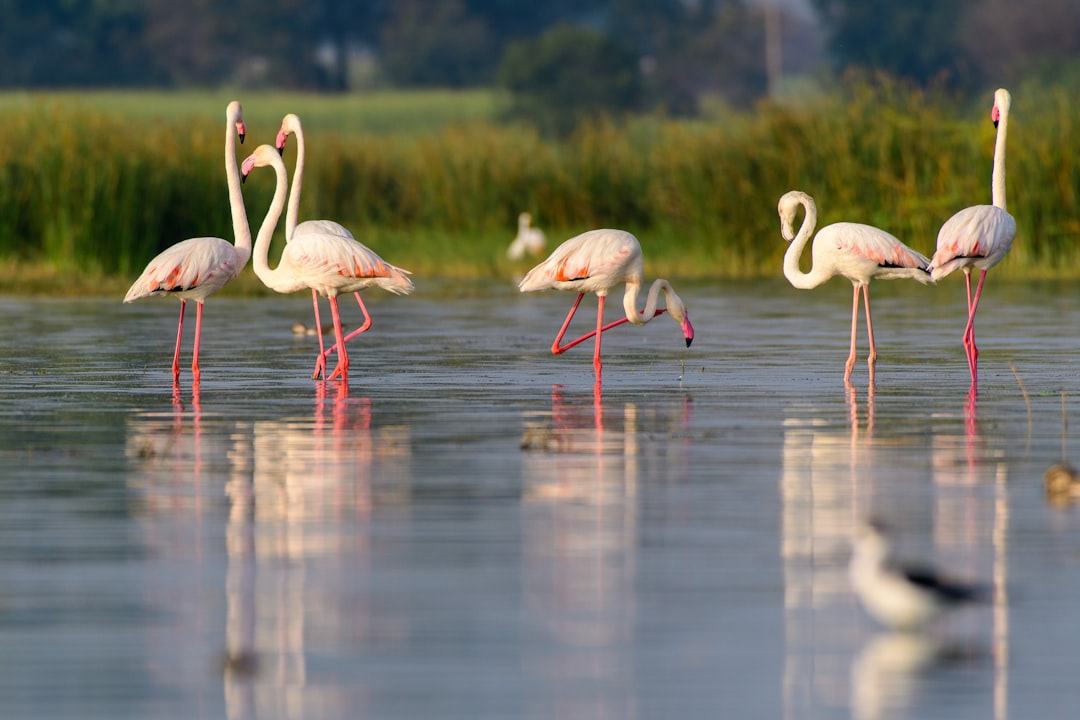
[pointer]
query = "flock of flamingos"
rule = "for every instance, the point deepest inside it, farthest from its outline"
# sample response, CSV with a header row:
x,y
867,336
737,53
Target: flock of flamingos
x,y
324,257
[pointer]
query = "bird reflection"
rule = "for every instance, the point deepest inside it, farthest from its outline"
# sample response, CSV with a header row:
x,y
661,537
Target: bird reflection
x,y
580,526
889,672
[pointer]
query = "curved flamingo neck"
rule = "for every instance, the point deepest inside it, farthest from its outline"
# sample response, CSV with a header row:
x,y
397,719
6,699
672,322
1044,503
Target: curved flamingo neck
x,y
241,228
293,213
998,178
798,278
261,262
671,300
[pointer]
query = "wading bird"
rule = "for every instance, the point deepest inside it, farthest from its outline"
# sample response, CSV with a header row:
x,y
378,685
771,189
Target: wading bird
x,y
196,268
979,236
327,264
336,234
529,240
901,597
860,253
596,261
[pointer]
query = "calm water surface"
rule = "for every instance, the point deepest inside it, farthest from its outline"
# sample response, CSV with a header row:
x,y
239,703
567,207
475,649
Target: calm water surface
x,y
471,530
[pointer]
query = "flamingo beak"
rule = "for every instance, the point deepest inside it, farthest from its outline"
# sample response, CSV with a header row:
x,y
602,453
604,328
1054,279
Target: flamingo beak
x,y
688,330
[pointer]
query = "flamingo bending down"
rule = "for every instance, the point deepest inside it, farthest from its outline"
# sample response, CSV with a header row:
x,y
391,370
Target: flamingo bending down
x,y
196,268
860,253
291,125
529,240
978,236
327,264
596,261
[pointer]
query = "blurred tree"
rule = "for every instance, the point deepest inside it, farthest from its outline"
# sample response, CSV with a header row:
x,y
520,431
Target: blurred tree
x,y
569,74
916,39
435,44
1037,39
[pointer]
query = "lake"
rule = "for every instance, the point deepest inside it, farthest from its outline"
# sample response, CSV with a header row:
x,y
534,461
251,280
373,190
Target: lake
x,y
472,529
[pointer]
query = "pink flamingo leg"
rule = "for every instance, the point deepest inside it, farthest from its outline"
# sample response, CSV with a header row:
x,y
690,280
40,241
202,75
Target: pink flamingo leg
x,y
871,360
179,337
599,334
320,361
363,328
198,339
589,334
557,349
854,328
342,367
969,330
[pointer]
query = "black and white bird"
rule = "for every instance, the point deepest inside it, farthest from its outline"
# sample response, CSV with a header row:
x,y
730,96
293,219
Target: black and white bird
x,y
902,597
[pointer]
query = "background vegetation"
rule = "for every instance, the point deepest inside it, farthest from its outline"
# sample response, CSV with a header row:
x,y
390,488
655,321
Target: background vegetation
x,y
102,194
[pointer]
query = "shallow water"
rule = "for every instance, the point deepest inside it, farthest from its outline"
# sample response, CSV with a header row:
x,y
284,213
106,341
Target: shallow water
x,y
471,530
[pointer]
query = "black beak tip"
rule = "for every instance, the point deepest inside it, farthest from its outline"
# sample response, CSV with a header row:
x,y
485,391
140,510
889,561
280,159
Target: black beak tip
x,y
688,341
241,138
281,151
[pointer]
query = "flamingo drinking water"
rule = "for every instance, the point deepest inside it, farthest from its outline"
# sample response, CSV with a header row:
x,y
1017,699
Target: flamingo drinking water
x,y
596,261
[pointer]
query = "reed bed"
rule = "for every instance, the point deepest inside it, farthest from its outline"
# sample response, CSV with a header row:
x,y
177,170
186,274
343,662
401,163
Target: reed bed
x,y
103,190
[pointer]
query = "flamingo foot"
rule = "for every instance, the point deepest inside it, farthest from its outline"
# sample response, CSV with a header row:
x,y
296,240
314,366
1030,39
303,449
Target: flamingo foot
x,y
320,367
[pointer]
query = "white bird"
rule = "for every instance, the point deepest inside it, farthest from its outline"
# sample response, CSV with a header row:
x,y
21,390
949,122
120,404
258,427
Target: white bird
x,y
596,261
196,268
327,264
979,236
860,253
335,234
901,597
529,240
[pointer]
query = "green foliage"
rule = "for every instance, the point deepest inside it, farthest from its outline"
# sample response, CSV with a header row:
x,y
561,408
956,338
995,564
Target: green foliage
x,y
107,192
569,74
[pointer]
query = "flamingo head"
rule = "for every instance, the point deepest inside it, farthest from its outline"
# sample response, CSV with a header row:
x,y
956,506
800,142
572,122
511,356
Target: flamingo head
x,y
264,155
687,329
235,113
289,125
1002,101
677,309
787,209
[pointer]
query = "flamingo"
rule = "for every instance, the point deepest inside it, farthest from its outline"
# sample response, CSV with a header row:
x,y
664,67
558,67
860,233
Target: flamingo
x,y
529,240
596,261
291,125
860,253
196,268
327,264
978,236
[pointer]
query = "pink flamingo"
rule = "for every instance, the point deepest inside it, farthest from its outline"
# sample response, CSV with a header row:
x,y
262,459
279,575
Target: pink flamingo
x,y
978,236
860,253
596,261
196,268
327,264
290,125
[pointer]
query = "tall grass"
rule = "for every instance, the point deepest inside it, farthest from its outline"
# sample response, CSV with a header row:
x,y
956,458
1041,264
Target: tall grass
x,y
106,187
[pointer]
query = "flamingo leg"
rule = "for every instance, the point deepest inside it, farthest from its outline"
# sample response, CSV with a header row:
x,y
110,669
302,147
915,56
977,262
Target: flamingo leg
x,y
854,328
363,328
320,361
557,349
198,339
179,337
342,367
586,336
871,360
969,331
597,365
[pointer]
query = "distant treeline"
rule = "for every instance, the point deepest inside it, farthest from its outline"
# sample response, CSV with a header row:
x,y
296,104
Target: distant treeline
x,y
105,192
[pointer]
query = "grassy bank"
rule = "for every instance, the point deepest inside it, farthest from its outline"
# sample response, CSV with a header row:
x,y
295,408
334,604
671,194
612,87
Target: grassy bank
x,y
98,183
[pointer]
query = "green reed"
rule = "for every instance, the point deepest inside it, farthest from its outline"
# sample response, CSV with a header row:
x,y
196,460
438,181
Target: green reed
x,y
106,189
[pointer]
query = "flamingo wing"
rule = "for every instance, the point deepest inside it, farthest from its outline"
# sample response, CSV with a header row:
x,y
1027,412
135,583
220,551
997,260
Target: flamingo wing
x,y
590,262
976,236
875,245
328,262
322,227
195,268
